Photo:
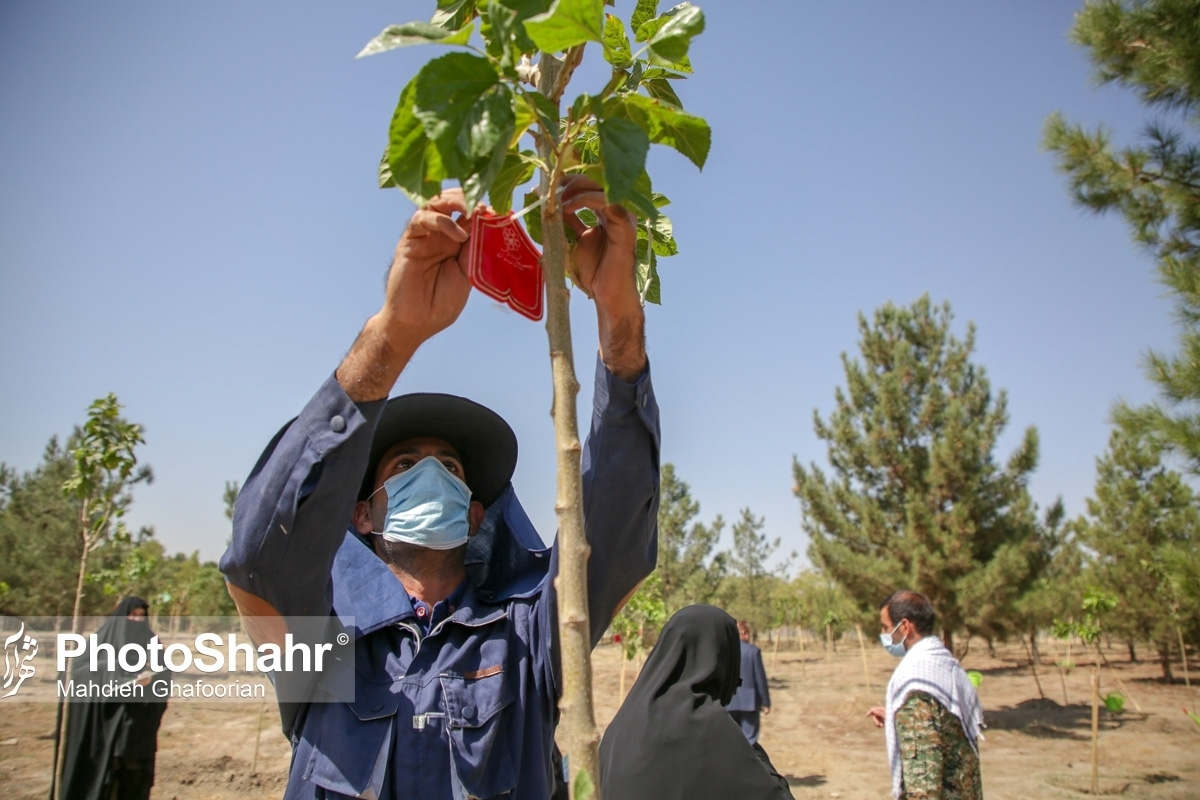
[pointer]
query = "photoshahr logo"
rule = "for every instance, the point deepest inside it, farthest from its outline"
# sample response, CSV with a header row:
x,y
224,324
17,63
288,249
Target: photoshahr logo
x,y
19,650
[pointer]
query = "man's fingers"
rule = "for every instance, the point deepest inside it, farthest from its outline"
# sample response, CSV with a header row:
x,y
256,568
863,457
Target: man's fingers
x,y
432,221
448,202
574,184
594,200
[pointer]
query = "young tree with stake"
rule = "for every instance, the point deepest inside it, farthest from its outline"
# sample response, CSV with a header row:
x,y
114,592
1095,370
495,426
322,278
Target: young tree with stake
x,y
468,116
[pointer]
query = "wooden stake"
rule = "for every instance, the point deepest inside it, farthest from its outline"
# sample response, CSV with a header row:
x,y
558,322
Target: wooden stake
x,y
1033,666
624,664
862,649
829,649
262,707
1183,654
1095,730
803,665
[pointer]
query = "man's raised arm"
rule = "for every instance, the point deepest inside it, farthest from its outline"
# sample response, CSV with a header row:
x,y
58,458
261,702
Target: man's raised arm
x,y
621,454
296,505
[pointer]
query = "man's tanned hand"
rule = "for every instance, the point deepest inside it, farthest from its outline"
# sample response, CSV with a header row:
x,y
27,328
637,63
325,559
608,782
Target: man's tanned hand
x,y
603,265
427,289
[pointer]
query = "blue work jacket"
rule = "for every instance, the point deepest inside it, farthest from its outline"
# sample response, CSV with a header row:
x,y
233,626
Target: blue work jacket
x,y
752,694
467,710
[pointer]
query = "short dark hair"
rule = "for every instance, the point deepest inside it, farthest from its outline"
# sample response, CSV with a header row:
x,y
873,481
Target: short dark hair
x,y
914,607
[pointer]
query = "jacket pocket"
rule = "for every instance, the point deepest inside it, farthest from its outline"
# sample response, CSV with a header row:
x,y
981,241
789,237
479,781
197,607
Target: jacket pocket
x,y
484,745
352,742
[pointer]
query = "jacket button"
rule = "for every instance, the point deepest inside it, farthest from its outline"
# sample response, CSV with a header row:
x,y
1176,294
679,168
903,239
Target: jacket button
x,y
338,423
378,707
468,712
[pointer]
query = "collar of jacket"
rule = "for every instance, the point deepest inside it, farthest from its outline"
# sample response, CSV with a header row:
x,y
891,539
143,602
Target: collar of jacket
x,y
505,560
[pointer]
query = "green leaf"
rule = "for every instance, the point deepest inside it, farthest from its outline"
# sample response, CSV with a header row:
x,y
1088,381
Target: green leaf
x,y
545,110
566,24
662,234
497,27
645,11
670,42
386,181
616,44
660,89
414,165
533,220
686,133
454,14
584,788
581,106
483,173
411,33
623,148
648,284
515,171
488,125
447,92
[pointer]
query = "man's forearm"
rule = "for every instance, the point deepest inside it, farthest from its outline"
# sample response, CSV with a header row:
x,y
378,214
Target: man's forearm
x,y
620,486
376,359
623,340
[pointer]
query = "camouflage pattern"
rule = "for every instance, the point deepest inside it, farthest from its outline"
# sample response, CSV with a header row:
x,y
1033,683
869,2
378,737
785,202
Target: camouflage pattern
x,y
937,759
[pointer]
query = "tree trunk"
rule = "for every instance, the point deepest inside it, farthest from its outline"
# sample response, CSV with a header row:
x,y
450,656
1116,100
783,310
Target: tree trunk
x,y
1187,678
1033,662
1164,658
1132,652
580,738
64,707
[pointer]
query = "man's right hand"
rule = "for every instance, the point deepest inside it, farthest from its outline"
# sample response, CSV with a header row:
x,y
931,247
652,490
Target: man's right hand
x,y
427,289
877,715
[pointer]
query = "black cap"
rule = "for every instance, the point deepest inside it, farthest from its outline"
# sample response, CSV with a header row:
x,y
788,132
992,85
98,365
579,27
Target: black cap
x,y
484,441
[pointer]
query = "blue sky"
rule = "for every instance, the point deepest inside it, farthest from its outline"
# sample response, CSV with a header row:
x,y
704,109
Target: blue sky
x,y
189,219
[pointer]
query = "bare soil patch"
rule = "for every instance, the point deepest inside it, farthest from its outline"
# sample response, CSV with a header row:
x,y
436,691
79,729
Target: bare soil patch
x,y
817,733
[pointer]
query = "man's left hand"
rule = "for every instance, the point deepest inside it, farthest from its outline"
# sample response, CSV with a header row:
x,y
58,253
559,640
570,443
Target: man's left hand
x,y
603,265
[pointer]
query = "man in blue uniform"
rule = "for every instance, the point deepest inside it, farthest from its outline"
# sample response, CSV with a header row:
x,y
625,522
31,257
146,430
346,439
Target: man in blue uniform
x,y
753,697
398,517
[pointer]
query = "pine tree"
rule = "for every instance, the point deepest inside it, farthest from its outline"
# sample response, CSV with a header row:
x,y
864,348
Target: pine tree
x,y
751,580
1151,47
39,548
688,570
915,499
1141,514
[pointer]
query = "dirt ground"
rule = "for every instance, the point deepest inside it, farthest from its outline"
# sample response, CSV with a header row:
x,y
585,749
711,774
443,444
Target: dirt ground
x,y
816,734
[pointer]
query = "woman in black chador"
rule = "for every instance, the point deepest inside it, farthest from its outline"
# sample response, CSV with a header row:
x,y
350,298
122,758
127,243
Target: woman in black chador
x,y
672,738
110,744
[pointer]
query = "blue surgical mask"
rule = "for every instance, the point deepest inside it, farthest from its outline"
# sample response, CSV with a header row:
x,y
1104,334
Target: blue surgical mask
x,y
427,506
885,639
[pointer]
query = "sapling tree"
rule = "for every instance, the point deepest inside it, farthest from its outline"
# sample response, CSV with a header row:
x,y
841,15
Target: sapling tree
x,y
646,611
104,469
488,115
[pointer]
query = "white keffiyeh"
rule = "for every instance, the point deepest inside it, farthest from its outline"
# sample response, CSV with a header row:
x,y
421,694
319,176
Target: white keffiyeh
x,y
929,667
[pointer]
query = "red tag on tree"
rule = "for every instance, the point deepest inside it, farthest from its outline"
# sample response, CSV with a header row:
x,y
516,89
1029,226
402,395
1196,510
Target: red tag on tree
x,y
505,265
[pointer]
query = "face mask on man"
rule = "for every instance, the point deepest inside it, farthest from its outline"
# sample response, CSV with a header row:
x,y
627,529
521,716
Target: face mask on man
x,y
885,639
427,506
